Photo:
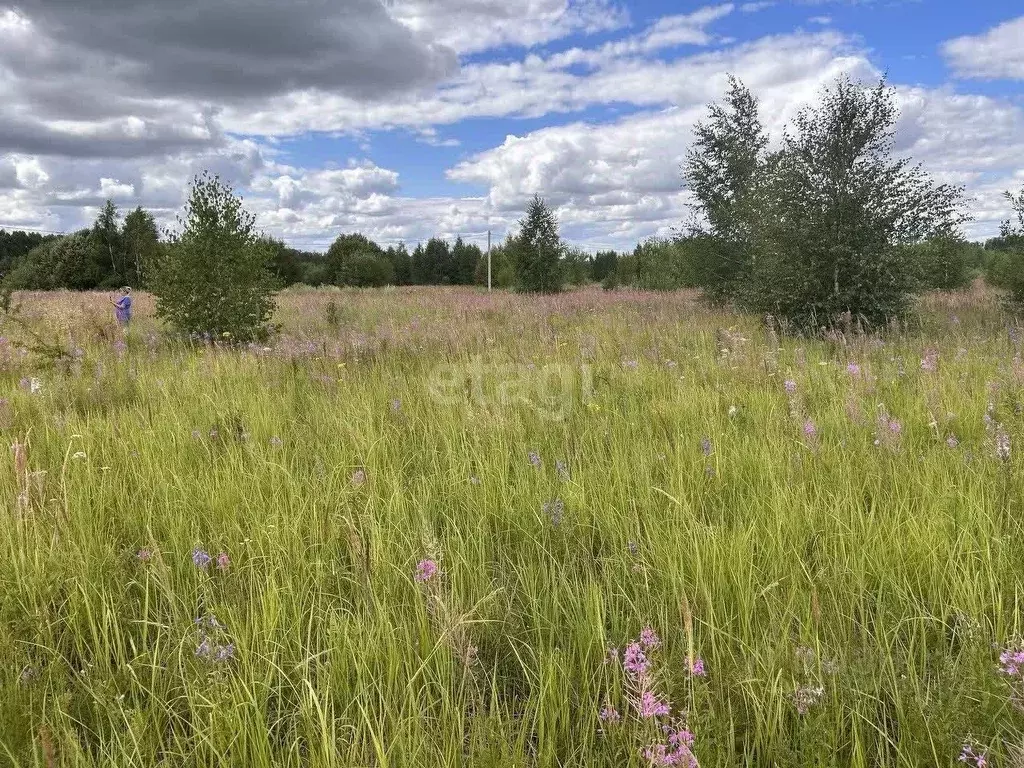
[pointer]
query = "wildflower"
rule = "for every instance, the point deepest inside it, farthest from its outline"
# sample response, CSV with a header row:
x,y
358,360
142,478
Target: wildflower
x,y
609,714
562,470
1011,660
224,653
697,668
676,750
630,364
930,362
895,428
854,370
223,561
1002,443
807,696
276,442
79,455
555,510
204,649
534,458
650,706
632,547
733,410
611,656
970,756
649,639
27,675
144,555
358,477
790,387
474,480
396,406
634,661
952,442
705,446
425,571
201,558
195,434
810,431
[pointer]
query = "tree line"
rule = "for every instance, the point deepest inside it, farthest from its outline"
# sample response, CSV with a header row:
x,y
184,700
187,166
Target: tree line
x,y
827,226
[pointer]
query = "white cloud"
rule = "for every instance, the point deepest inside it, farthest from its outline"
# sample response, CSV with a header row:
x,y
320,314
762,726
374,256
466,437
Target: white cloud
x,y
998,53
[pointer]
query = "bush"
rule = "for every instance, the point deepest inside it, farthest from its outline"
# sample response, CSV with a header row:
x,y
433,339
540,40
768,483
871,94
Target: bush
x,y
943,263
215,278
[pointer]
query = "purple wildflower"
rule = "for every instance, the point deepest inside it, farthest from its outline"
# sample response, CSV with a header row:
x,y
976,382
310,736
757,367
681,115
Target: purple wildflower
x,y
807,696
895,427
555,510
790,387
810,431
201,558
930,362
358,477
970,756
425,571
649,639
205,648
697,668
276,442
650,706
396,406
1002,443
223,561
634,661
705,446
562,470
609,714
534,458
144,555
952,442
224,653
632,547
854,370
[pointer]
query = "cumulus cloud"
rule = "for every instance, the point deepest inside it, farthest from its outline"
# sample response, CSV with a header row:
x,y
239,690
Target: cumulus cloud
x,y
997,53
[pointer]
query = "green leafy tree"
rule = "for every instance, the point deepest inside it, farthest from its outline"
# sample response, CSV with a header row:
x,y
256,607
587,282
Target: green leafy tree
x,y
106,232
141,242
943,263
343,250
435,264
1006,263
401,264
604,264
722,170
838,213
215,277
537,250
464,258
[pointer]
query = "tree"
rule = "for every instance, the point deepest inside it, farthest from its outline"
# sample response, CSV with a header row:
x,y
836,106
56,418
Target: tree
x,y
605,263
839,211
401,264
464,258
141,242
537,250
435,264
215,277
722,170
343,250
1006,265
575,266
106,232
943,263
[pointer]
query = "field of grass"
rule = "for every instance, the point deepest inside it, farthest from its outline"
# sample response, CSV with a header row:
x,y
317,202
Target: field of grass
x,y
432,527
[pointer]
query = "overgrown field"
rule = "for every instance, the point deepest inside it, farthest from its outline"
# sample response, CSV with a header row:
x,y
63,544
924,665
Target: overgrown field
x,y
411,529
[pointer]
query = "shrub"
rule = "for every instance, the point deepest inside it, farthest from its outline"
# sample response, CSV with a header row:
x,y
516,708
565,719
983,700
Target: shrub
x,y
215,278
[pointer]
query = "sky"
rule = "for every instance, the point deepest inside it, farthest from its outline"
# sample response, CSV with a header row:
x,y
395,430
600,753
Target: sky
x,y
408,119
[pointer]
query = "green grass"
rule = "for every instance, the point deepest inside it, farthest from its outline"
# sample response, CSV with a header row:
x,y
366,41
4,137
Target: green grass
x,y
899,565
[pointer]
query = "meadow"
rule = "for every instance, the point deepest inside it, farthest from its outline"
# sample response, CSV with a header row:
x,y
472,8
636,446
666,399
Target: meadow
x,y
436,527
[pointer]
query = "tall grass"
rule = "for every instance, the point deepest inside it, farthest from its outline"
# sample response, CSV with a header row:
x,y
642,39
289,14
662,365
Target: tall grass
x,y
832,527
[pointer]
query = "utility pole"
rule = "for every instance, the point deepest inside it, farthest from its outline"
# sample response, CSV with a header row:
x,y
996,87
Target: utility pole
x,y
488,261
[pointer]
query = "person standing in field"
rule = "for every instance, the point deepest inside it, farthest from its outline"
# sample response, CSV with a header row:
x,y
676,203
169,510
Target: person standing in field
x,y
123,306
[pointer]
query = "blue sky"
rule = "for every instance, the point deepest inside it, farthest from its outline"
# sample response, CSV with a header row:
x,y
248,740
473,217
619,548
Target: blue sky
x,y
443,117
